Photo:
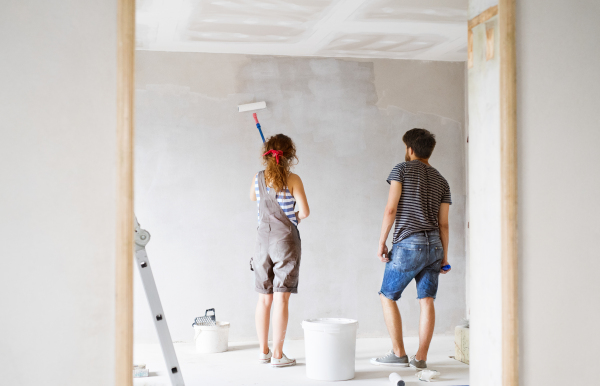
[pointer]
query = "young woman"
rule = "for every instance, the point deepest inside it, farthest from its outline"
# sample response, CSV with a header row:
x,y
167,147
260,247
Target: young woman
x,y
276,261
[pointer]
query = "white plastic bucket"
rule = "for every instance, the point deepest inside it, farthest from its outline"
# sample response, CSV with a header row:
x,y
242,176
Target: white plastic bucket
x,y
330,345
212,339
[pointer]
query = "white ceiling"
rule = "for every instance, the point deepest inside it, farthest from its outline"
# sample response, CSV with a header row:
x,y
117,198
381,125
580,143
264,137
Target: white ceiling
x,y
396,29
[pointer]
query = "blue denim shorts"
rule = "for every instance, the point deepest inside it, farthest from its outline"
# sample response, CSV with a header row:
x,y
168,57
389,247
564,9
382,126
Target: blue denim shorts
x,y
419,257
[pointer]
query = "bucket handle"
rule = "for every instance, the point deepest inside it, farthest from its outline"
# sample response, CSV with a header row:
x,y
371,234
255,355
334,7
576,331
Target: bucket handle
x,y
197,333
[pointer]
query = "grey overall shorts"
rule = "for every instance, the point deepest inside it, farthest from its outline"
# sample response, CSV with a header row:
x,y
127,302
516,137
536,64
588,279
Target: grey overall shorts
x,y
276,260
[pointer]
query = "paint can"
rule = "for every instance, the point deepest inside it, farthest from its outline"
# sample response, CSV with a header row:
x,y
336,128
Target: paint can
x,y
330,345
212,339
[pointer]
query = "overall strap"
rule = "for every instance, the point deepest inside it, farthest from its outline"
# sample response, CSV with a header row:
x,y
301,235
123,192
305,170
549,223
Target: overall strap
x,y
262,188
268,202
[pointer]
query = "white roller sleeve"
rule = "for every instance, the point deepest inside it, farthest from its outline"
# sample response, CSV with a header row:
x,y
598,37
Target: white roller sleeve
x,y
252,106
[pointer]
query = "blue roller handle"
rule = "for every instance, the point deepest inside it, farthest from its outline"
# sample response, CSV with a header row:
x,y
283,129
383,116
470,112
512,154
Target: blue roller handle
x,y
260,131
446,267
258,127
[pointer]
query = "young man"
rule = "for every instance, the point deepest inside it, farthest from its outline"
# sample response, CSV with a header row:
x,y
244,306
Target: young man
x,y
418,204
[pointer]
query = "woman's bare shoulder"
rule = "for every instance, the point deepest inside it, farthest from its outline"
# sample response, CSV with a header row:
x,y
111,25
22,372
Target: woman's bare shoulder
x,y
294,178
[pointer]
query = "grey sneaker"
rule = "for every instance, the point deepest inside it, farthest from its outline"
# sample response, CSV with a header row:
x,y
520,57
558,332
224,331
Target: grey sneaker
x,y
390,360
416,364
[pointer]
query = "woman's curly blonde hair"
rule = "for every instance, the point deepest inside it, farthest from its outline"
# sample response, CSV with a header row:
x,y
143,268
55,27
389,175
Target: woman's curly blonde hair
x,y
276,174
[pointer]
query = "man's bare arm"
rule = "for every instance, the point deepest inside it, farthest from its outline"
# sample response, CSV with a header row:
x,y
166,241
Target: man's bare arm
x,y
389,216
444,232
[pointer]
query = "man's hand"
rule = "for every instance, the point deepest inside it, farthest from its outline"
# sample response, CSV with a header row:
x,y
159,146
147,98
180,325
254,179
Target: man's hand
x,y
445,263
383,253
389,216
444,232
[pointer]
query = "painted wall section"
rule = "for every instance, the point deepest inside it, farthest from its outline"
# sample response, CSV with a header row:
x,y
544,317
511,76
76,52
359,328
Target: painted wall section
x,y
558,137
484,210
57,201
196,157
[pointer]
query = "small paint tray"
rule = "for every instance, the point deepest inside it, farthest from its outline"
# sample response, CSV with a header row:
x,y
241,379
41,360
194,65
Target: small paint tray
x,y
206,320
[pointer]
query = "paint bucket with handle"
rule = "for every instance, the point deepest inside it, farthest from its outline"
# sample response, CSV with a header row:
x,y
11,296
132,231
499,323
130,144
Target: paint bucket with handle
x,y
210,336
330,347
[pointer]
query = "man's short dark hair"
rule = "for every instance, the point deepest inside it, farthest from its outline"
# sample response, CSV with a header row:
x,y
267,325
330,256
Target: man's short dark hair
x,y
421,141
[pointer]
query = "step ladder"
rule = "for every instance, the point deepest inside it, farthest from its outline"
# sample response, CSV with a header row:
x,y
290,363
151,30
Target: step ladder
x,y
158,316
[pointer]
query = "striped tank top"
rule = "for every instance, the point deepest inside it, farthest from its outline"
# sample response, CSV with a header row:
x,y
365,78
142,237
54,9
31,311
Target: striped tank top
x,y
286,201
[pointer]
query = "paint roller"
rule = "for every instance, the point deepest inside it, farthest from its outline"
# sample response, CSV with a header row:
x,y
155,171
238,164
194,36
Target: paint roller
x,y
251,107
396,379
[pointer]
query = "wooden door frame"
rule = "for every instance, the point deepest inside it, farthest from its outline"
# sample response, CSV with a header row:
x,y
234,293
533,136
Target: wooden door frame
x,y
125,175
125,216
505,10
509,193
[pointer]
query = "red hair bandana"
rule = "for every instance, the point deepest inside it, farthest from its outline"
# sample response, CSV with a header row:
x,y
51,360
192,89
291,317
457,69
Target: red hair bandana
x,y
276,154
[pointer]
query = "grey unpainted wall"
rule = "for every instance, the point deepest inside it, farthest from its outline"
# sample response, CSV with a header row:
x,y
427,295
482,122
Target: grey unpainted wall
x,y
196,157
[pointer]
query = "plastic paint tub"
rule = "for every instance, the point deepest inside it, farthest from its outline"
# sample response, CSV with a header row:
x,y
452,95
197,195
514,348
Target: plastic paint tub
x,y
212,339
330,345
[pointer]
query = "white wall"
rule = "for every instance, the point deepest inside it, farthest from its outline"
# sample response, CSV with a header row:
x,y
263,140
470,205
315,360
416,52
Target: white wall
x,y
484,209
196,156
559,180
57,199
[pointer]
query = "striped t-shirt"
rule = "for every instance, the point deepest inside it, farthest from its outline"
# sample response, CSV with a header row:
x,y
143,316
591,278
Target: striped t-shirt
x,y
423,191
286,201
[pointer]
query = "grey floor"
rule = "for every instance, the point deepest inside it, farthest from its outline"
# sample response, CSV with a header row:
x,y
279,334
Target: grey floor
x,y
238,366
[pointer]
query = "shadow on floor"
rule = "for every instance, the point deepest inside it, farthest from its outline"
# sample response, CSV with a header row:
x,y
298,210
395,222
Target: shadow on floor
x,y
372,374
452,367
361,357
243,346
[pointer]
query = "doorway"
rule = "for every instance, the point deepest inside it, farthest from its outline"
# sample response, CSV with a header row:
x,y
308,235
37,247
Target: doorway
x,y
345,146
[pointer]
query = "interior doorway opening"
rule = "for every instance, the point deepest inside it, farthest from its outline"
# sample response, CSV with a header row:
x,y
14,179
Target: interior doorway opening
x,y
210,96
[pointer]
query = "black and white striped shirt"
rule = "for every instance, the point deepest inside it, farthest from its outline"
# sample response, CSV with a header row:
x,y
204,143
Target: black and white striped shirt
x,y
423,191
